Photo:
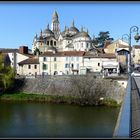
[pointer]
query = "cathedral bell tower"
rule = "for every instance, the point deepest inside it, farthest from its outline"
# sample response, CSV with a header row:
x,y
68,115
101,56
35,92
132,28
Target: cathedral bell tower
x,y
55,24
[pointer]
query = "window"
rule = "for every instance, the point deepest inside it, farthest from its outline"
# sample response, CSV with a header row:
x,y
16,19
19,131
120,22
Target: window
x,y
51,42
44,58
72,65
77,58
45,66
71,58
66,65
55,66
54,43
47,42
87,45
77,66
81,44
54,58
35,66
29,66
66,58
98,64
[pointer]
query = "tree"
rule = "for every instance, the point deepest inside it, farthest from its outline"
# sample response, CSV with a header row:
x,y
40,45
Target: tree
x,y
6,74
101,39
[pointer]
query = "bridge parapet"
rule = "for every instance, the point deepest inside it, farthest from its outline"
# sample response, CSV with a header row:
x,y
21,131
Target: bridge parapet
x,y
123,125
128,123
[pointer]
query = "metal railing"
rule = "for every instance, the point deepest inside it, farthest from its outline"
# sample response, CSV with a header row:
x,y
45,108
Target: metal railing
x,y
123,125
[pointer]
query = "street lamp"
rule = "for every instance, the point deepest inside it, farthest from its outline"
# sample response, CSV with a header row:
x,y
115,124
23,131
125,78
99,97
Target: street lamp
x,y
136,37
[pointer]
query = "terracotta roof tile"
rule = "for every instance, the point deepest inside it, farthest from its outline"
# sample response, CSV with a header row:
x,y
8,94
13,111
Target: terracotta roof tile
x,y
65,53
136,46
100,55
3,50
29,61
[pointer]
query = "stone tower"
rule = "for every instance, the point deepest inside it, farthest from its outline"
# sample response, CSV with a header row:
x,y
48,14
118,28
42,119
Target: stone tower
x,y
55,25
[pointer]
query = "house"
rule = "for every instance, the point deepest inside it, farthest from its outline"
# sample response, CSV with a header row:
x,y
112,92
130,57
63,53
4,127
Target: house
x,y
29,66
97,62
14,56
121,50
136,54
115,46
66,62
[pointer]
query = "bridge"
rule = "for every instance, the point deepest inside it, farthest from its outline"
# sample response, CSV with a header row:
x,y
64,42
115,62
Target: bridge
x,y
128,123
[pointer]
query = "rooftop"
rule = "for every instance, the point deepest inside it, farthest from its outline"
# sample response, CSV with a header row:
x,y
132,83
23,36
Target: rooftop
x,y
32,60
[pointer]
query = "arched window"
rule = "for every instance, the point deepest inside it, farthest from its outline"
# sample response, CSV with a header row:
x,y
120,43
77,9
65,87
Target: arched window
x,y
72,65
87,45
51,42
54,43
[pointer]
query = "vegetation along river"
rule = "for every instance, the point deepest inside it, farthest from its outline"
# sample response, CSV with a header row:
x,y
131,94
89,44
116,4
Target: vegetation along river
x,y
56,120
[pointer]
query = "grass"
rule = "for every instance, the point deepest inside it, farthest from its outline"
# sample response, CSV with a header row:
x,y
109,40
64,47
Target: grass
x,y
35,98
110,102
43,98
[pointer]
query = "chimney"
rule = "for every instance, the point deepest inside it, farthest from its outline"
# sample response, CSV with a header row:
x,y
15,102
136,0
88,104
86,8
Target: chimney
x,y
23,49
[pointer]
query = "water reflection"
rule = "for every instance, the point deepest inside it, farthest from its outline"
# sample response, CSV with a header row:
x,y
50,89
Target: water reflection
x,y
51,120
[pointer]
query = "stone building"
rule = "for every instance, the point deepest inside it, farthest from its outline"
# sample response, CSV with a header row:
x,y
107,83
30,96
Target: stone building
x,y
71,39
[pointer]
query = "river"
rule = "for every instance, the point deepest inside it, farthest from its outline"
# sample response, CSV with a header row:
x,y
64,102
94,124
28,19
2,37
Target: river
x,y
34,120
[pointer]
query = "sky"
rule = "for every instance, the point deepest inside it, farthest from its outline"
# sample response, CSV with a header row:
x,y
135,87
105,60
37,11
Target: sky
x,y
20,21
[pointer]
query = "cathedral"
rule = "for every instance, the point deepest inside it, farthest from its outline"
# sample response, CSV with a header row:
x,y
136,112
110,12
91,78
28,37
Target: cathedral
x,y
71,39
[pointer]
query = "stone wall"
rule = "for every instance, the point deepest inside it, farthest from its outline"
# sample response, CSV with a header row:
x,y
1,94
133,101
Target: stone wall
x,y
62,85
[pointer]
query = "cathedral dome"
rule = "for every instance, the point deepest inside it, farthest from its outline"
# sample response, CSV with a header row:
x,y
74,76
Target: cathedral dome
x,y
73,29
40,39
47,32
83,34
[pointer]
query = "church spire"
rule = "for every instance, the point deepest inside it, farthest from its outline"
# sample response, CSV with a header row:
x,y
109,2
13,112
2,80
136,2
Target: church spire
x,y
55,16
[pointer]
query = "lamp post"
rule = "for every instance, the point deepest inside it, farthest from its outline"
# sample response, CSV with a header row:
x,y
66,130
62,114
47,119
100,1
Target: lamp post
x,y
136,37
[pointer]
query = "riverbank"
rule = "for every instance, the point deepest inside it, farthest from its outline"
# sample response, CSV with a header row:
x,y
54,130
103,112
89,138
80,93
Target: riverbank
x,y
57,99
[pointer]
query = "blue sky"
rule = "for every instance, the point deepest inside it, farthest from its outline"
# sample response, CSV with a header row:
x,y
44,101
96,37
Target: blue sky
x,y
20,21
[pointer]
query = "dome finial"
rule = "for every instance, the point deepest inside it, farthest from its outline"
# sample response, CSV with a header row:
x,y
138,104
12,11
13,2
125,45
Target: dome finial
x,y
48,26
36,35
41,32
87,31
73,23
65,28
82,29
